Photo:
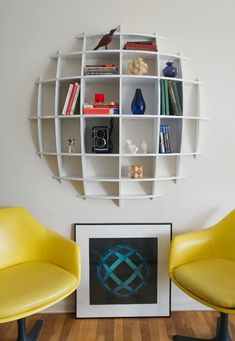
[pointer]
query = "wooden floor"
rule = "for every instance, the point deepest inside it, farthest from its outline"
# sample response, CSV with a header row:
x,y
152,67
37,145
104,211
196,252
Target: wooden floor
x,y
63,327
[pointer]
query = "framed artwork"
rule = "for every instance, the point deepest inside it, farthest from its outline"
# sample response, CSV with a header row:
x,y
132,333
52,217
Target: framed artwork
x,y
124,270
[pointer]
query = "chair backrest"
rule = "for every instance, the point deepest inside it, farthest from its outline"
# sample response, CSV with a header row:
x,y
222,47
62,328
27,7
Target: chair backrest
x,y
224,237
20,237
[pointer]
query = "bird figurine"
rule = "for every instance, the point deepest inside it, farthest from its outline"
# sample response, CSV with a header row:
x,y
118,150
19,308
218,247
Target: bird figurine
x,y
105,40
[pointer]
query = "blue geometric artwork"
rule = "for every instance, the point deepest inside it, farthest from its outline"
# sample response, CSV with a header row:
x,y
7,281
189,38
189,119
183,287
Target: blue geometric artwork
x,y
123,270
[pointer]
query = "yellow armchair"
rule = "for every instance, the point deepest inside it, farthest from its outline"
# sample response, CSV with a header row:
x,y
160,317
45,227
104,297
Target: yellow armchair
x,y
38,268
202,264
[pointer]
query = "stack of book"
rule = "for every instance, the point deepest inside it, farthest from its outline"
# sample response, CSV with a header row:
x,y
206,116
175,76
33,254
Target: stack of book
x,y
71,99
140,45
164,141
171,97
102,69
111,108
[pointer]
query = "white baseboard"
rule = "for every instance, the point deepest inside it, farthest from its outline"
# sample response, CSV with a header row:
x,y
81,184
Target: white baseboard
x,y
68,306
187,304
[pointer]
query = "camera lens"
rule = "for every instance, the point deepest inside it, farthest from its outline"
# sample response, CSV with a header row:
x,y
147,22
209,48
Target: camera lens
x,y
100,142
100,133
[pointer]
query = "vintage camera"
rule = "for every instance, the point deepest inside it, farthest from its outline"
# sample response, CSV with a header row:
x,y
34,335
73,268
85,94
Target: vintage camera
x,y
101,136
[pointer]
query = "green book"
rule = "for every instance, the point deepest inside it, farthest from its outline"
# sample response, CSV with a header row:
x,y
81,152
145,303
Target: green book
x,y
166,97
178,98
163,104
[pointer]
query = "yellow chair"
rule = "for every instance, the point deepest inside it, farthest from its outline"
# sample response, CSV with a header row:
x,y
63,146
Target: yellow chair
x,y
38,268
202,264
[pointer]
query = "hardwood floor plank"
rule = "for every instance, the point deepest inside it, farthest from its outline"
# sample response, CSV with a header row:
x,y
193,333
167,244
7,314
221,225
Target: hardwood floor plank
x,y
64,327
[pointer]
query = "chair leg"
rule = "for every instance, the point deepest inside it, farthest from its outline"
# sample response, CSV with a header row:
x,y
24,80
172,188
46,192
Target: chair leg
x,y
222,333
22,332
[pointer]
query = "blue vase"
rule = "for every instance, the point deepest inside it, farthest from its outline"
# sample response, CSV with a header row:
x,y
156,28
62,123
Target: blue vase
x,y
170,70
138,104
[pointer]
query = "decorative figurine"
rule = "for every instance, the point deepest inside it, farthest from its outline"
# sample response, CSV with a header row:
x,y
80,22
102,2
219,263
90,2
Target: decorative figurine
x,y
136,171
105,40
71,143
170,70
137,67
143,147
132,147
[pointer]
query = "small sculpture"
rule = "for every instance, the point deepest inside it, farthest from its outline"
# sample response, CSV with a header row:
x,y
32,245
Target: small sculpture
x,y
132,147
71,143
143,147
136,171
105,40
137,67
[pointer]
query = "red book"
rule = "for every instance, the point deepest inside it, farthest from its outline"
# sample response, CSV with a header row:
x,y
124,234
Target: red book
x,y
151,47
69,107
96,111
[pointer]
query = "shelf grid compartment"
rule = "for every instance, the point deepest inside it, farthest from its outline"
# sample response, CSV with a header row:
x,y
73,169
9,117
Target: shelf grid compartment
x,y
149,91
163,59
102,189
135,38
71,167
63,89
48,136
48,99
93,40
175,133
169,89
51,160
138,130
96,133
148,163
71,65
148,57
167,167
101,168
189,136
136,188
106,85
35,131
101,57
190,100
70,129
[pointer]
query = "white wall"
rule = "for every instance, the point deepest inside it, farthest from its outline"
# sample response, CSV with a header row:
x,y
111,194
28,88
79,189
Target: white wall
x,y
30,31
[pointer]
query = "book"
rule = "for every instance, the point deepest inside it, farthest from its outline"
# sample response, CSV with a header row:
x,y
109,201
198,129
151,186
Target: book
x,y
75,100
163,104
178,97
161,142
147,42
140,45
166,135
174,108
164,141
100,111
166,97
69,107
67,98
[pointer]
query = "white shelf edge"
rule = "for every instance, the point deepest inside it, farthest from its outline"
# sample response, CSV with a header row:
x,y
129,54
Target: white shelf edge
x,y
117,34
68,178
167,178
120,197
129,116
123,76
46,153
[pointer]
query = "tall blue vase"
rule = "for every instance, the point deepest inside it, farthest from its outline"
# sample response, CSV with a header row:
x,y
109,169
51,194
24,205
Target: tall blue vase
x,y
138,104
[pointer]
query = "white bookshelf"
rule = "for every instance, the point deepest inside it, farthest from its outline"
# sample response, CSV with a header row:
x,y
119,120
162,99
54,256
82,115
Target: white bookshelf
x,y
105,176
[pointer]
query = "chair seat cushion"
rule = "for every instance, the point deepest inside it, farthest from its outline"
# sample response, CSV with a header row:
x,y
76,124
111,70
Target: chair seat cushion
x,y
212,280
30,287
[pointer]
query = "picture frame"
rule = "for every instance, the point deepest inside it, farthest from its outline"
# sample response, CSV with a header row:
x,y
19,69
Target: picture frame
x,y
124,270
